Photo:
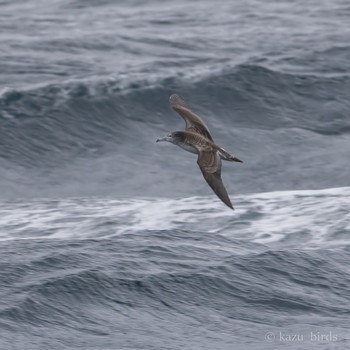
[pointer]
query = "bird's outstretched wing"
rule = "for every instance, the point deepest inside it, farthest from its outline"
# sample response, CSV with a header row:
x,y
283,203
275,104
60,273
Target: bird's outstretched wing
x,y
193,122
210,164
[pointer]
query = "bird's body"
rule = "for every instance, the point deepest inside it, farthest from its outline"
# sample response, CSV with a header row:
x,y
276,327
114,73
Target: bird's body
x,y
197,139
188,147
190,139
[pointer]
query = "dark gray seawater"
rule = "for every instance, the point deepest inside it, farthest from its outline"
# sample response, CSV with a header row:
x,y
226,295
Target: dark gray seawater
x,y
111,241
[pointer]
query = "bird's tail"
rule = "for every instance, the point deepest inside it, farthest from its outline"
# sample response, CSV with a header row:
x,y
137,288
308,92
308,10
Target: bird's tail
x,y
227,156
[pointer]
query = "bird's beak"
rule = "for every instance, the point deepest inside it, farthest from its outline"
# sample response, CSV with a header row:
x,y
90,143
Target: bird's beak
x,y
235,159
162,139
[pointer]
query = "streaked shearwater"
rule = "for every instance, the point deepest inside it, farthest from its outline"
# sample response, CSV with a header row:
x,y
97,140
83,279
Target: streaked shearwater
x,y
197,139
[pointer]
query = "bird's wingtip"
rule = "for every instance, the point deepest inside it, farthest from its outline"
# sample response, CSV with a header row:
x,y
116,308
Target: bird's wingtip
x,y
229,204
176,100
173,97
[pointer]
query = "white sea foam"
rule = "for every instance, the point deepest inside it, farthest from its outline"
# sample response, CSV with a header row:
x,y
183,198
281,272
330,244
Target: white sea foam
x,y
290,218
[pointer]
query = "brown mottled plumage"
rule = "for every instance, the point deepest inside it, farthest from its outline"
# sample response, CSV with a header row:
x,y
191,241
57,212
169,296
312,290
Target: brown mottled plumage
x,y
197,139
193,122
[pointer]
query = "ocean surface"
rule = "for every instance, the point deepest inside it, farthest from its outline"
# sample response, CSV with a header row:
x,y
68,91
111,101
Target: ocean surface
x,y
109,241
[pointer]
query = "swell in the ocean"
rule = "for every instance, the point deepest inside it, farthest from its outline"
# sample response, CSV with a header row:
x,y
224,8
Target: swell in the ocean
x,y
63,130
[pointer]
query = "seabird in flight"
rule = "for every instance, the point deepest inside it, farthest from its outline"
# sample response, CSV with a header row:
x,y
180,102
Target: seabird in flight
x,y
197,139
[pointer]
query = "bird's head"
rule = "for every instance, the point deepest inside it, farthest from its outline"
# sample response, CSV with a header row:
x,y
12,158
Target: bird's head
x,y
173,137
